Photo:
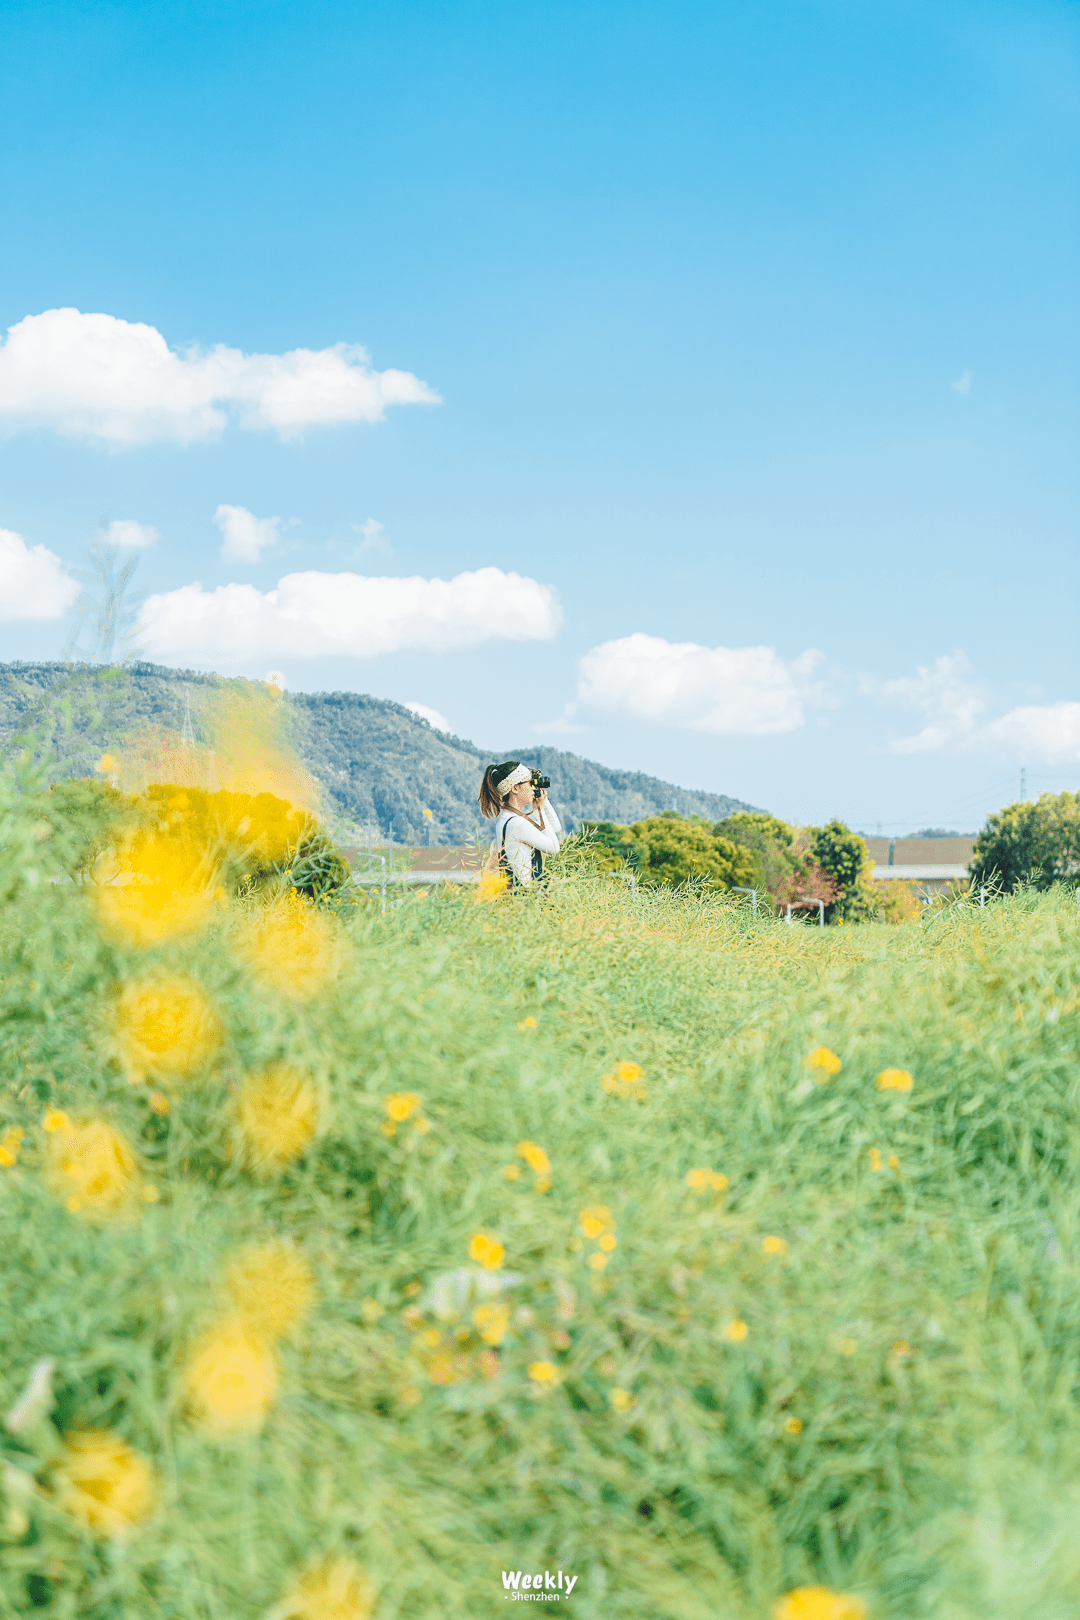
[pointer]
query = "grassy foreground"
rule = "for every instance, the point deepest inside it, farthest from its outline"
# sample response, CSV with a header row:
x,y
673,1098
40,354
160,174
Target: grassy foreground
x,y
362,1284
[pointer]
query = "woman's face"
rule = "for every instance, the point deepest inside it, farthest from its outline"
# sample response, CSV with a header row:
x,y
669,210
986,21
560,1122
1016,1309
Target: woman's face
x,y
520,797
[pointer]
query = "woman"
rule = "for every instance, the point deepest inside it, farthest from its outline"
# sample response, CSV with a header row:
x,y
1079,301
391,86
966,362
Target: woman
x,y
526,826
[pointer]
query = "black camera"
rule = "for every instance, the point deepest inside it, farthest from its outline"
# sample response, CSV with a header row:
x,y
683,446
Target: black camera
x,y
538,781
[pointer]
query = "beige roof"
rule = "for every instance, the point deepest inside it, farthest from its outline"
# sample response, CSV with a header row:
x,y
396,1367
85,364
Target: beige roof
x,y
922,851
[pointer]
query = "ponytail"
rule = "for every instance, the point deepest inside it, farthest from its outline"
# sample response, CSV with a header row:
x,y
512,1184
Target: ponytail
x,y
489,798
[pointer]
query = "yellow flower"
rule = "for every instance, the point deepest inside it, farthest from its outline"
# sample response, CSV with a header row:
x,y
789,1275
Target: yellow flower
x,y
103,1483
736,1330
542,1184
231,1380
56,1120
487,1251
598,1261
489,887
492,1321
819,1603
773,1245
544,1373
511,1172
421,1125
528,1023
901,1348
167,1028
271,1288
607,1241
698,1180
793,1425
293,947
277,1113
10,1143
93,1168
874,1155
105,764
596,1218
534,1157
893,1162
894,1080
158,1104
825,1062
163,890
401,1105
429,814
489,1364
337,1590
620,1399
628,1072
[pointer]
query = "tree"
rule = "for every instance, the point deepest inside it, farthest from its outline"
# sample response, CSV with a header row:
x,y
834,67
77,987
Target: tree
x,y
1034,842
672,849
842,857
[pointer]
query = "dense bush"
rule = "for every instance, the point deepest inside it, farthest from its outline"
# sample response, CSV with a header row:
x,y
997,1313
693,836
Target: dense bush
x,y
1037,842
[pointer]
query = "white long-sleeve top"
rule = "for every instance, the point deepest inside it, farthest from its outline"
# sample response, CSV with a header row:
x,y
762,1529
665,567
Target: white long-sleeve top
x,y
523,835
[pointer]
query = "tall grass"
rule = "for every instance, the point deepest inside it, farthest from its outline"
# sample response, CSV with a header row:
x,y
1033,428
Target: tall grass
x,y
832,1369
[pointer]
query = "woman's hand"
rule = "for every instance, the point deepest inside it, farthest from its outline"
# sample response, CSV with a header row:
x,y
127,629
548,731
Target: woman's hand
x,y
539,797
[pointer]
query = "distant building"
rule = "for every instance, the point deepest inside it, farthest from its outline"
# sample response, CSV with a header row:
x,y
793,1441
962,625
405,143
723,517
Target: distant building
x,y
928,864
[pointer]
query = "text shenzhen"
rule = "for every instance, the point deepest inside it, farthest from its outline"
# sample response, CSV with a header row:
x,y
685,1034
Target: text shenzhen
x,y
545,1588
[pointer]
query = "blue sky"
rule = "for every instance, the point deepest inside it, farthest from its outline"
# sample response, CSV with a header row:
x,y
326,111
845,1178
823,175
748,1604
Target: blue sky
x,y
739,326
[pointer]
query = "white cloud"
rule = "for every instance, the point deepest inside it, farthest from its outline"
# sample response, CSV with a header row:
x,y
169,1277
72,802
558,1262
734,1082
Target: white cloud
x,y
314,614
246,536
962,385
949,700
432,716
1048,731
373,536
748,691
125,532
98,377
33,581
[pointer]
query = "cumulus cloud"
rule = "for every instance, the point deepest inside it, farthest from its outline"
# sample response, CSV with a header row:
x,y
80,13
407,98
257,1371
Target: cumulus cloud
x,y
950,701
373,537
246,536
1047,731
126,533
99,377
33,581
748,691
313,614
432,716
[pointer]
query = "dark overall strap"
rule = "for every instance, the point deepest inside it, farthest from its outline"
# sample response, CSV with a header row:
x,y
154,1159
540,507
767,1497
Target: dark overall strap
x,y
536,861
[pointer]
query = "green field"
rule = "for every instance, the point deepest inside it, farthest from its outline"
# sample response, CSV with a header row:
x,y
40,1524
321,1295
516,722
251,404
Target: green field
x,y
729,1326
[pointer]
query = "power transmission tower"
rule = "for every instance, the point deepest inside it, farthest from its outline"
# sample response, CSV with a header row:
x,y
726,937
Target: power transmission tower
x,y
187,733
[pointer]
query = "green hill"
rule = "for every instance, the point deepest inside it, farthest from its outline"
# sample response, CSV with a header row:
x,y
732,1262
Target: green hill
x,y
379,765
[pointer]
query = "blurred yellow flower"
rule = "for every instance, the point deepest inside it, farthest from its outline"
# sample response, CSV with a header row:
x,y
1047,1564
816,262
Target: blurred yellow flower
x,y
534,1157
511,1172
429,815
736,1330
103,1483
893,1162
894,1080
542,1184
607,1241
421,1125
486,1251
231,1380
56,1120
847,1347
401,1105
293,947
598,1261
271,1289
165,887
620,1399
10,1143
819,1603
699,1180
492,1321
793,1425
105,764
528,1023
596,1218
277,1113
773,1245
167,1028
901,1348
544,1372
489,1364
93,1169
874,1155
158,1104
825,1062
489,887
337,1590
628,1072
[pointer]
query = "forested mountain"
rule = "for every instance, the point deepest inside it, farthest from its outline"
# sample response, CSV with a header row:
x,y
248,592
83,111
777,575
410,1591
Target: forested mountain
x,y
379,765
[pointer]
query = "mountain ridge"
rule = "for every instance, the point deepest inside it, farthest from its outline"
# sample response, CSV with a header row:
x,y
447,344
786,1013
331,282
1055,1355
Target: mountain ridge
x,y
379,765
